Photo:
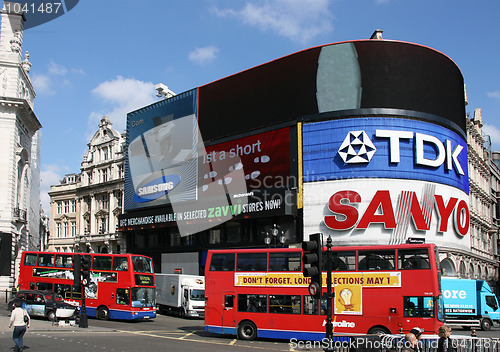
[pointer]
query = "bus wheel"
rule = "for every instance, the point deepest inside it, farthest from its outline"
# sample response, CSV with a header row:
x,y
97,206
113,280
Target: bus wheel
x,y
378,330
51,315
247,330
485,324
103,313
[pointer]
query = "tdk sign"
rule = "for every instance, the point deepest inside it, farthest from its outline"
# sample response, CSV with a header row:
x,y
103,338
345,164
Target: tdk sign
x,y
384,148
156,188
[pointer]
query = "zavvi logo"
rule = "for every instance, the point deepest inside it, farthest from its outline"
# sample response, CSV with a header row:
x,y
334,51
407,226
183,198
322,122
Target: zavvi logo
x,y
156,188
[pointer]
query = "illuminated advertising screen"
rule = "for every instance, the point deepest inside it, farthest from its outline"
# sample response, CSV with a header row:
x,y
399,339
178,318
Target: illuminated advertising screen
x,y
162,155
375,147
264,157
387,211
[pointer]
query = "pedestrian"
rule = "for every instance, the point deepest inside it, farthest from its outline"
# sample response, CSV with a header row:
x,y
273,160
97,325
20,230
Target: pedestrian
x,y
21,321
445,344
412,338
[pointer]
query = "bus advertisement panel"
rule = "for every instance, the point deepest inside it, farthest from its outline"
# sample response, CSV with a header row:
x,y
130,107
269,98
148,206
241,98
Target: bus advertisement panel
x,y
262,292
121,286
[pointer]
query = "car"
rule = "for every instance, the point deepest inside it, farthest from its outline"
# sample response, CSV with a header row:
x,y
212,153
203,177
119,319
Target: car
x,y
44,304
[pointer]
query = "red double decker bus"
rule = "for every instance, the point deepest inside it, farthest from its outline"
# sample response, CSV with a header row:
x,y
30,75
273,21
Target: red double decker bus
x,y
121,286
263,293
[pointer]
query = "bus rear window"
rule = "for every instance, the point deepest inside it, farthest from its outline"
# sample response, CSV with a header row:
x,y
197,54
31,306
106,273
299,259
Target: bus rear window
x,y
222,262
251,262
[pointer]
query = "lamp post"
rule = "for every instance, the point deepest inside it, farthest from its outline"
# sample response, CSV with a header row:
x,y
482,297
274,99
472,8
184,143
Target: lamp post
x,y
277,235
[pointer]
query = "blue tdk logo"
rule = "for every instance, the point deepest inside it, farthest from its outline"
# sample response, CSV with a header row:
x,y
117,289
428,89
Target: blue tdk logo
x,y
156,188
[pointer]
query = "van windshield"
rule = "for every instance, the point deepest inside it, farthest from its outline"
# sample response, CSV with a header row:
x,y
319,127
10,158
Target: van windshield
x,y
197,295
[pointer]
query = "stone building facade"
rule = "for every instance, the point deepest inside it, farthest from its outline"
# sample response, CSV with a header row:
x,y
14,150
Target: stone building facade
x,y
20,145
85,206
484,181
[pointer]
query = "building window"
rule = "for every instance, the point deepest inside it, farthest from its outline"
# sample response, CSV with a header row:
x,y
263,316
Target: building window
x,y
73,229
103,201
120,171
58,229
65,232
59,207
104,153
104,173
73,206
119,197
66,206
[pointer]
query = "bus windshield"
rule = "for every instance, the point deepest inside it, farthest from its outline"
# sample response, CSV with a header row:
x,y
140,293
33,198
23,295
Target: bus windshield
x,y
142,264
143,297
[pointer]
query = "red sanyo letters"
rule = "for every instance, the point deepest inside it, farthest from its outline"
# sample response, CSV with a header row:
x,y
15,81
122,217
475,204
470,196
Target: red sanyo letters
x,y
380,210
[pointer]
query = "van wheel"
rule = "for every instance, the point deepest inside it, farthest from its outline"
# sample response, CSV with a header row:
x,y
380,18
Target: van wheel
x,y
485,324
51,315
247,330
102,313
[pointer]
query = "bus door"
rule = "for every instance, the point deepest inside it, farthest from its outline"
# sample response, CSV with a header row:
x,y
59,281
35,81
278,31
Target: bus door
x,y
228,312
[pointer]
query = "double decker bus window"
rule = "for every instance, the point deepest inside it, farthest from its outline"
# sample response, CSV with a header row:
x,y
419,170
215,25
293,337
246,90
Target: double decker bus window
x,y
344,260
284,261
44,286
419,306
413,259
123,296
120,264
376,260
64,290
310,305
251,262
142,264
222,262
45,259
101,263
284,304
30,259
252,303
64,261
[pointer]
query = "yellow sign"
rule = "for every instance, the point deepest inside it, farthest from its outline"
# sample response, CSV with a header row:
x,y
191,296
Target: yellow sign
x,y
296,279
348,299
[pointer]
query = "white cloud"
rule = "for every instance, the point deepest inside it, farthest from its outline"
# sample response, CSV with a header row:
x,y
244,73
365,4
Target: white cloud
x,y
495,94
298,20
121,96
42,84
494,133
49,175
204,55
56,69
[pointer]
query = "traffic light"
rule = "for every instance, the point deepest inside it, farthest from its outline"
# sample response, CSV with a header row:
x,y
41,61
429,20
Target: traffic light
x,y
312,255
86,268
77,272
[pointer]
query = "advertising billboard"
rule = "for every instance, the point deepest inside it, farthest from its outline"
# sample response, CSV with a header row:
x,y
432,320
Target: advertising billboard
x,y
375,147
373,211
162,153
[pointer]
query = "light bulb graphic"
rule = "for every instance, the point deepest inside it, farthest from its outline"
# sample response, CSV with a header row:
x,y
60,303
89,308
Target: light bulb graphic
x,y
346,296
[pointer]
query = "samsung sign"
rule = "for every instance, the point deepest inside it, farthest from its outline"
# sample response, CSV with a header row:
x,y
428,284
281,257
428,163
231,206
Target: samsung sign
x,y
385,148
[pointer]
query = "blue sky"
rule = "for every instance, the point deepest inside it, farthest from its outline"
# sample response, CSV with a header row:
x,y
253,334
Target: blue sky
x,y
105,56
